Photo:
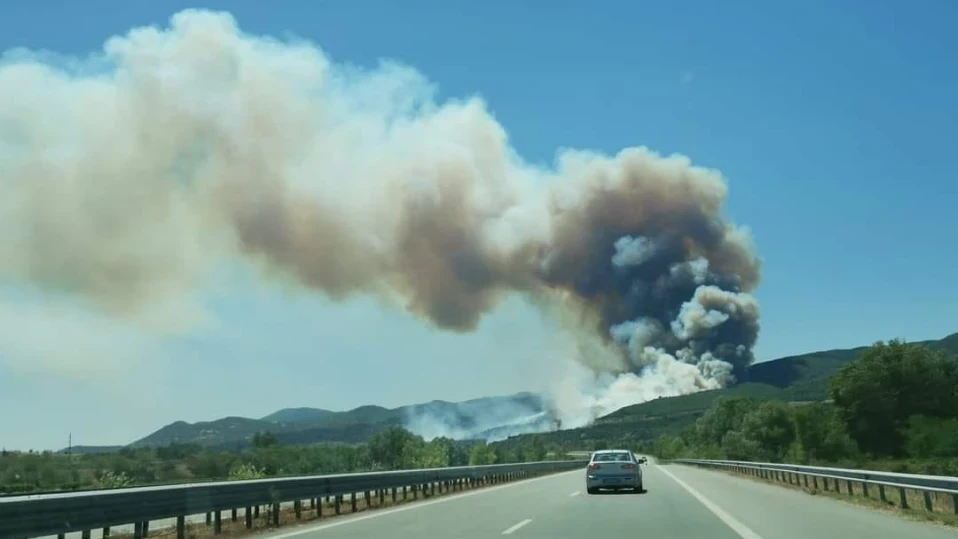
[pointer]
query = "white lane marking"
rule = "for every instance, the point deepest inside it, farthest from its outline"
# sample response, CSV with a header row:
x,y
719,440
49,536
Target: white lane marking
x,y
415,505
517,526
744,531
576,493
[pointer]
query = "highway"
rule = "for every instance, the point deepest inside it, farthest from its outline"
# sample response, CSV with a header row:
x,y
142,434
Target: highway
x,y
680,502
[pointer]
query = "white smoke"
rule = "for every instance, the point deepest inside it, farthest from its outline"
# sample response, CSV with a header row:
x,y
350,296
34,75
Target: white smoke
x,y
128,178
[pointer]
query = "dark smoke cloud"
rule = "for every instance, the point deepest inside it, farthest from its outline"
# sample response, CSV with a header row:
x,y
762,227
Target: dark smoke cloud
x,y
205,143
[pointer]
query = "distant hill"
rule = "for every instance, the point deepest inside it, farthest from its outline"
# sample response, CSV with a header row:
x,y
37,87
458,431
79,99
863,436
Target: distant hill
x,y
91,449
795,378
481,418
298,415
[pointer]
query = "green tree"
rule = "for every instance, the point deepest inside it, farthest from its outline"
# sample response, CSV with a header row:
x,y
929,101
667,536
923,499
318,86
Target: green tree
x,y
725,415
482,454
537,449
670,447
265,439
888,384
931,437
386,447
771,427
820,434
736,445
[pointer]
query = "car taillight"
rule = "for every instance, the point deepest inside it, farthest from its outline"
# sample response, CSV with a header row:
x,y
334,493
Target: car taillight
x,y
594,466
628,466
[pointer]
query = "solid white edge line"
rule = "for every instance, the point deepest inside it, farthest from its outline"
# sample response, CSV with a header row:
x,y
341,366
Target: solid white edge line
x,y
576,493
376,513
744,531
516,527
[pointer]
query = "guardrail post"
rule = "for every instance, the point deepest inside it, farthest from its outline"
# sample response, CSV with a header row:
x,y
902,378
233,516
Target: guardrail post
x,y
217,522
106,532
233,514
902,498
815,482
85,534
415,492
352,502
367,497
209,518
256,511
382,496
432,487
338,507
928,506
805,480
954,503
275,513
247,517
298,509
848,485
394,494
881,493
319,507
137,530
865,489
181,527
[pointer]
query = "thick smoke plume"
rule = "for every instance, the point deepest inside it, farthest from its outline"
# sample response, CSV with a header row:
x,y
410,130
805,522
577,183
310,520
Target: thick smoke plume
x,y
127,179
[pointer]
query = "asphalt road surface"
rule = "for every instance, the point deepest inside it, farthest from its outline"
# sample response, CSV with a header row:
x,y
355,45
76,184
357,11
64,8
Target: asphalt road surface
x,y
680,502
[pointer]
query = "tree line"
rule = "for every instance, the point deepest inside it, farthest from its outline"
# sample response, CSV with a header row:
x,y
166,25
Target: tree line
x,y
391,449
895,407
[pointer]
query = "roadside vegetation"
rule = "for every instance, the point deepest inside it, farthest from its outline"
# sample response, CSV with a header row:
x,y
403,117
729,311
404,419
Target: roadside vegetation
x,y
894,408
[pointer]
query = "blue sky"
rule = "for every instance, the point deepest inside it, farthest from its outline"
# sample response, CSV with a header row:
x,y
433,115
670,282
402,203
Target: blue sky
x,y
830,120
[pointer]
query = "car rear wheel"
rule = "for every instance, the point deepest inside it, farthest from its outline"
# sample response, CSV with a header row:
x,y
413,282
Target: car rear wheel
x,y
592,490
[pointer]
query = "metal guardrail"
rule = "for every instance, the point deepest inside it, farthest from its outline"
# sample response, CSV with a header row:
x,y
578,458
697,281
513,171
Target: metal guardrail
x,y
34,515
832,478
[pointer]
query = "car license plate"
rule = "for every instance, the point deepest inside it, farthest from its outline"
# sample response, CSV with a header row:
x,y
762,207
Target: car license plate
x,y
611,481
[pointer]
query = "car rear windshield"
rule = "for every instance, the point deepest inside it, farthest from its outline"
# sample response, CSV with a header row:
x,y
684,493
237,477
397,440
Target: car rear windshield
x,y
612,457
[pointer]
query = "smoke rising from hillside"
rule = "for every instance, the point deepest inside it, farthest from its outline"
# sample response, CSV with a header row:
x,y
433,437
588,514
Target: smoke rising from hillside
x,y
125,180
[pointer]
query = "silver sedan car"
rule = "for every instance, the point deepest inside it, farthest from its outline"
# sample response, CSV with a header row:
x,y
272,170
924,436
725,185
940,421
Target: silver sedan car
x,y
614,469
